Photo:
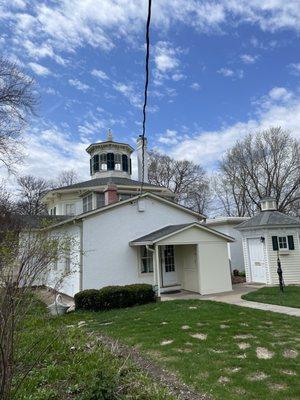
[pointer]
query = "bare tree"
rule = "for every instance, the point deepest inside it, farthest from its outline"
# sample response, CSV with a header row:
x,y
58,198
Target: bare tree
x,y
187,180
26,258
31,191
263,164
17,103
66,178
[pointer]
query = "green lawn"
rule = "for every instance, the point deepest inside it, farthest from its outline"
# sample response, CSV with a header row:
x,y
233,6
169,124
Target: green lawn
x,y
290,297
216,364
72,365
75,364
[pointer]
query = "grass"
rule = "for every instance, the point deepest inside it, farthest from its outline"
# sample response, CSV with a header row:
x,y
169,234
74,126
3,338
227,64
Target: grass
x,y
73,365
272,295
217,365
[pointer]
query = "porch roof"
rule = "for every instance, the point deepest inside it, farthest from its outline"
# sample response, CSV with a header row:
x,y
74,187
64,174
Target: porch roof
x,y
171,230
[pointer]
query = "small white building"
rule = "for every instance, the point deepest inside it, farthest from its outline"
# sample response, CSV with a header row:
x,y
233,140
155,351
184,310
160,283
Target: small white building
x,y
235,250
120,236
267,236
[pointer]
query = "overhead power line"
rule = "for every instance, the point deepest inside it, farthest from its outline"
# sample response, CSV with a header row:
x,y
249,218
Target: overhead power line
x,y
146,90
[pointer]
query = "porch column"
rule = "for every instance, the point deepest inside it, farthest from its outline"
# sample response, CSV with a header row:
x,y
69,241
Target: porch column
x,y
157,269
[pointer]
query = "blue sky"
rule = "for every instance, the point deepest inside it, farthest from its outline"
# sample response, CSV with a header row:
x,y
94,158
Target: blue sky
x,y
219,69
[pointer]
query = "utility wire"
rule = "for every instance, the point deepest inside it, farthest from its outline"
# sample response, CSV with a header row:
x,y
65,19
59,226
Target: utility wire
x,y
146,91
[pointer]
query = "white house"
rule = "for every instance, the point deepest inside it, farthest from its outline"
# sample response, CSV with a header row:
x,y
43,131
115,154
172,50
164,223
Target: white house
x,y
235,250
267,236
129,237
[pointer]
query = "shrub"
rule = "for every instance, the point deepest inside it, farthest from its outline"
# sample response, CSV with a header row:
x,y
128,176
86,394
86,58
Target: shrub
x,y
111,297
87,300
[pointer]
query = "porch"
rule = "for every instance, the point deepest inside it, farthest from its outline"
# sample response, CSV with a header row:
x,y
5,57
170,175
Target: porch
x,y
188,257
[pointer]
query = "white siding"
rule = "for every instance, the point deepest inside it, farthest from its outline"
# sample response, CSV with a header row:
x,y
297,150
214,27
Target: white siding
x,y
290,262
108,259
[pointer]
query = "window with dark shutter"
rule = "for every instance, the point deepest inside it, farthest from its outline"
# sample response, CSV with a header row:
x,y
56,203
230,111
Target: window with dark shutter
x,y
291,242
110,161
96,162
124,162
275,243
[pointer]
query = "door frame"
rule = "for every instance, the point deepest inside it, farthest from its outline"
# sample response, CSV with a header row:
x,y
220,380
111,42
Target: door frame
x,y
249,258
162,266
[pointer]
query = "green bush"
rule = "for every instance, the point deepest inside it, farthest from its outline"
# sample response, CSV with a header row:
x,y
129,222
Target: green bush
x,y
111,297
87,300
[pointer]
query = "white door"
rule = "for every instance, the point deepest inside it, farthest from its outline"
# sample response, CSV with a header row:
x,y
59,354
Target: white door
x,y
169,270
257,260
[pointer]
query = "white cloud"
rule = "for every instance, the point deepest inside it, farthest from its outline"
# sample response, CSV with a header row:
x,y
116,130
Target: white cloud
x,y
229,73
99,74
169,137
248,58
129,92
165,57
39,69
279,107
195,86
178,77
78,84
295,68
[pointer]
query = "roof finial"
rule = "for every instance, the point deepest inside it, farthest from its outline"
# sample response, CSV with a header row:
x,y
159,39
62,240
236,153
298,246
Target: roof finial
x,y
109,136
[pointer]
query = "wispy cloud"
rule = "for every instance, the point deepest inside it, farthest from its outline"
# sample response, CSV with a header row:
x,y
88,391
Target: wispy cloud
x,y
294,68
230,73
78,85
99,74
248,58
195,86
39,69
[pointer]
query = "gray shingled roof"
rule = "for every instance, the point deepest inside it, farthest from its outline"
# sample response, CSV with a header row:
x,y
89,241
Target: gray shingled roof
x,y
167,230
269,219
39,221
105,181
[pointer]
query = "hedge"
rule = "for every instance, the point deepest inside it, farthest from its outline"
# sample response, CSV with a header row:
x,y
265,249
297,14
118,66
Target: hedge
x,y
111,297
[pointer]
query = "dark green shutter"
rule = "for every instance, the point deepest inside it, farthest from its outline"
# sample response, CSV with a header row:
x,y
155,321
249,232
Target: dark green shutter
x,y
110,161
291,242
91,166
96,162
124,162
130,166
275,243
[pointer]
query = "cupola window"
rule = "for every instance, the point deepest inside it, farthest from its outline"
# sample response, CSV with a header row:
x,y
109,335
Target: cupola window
x,y
110,161
103,162
124,162
118,159
96,162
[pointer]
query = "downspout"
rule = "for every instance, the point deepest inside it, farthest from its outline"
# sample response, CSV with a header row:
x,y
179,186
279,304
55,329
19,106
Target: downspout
x,y
80,255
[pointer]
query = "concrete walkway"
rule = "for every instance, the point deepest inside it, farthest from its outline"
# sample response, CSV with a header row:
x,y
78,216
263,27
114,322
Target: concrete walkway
x,y
234,297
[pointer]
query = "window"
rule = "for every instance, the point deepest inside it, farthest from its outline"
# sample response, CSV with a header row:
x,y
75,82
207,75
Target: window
x,y
103,162
124,197
118,160
70,209
87,203
124,162
54,211
100,200
146,261
282,242
110,161
169,258
96,163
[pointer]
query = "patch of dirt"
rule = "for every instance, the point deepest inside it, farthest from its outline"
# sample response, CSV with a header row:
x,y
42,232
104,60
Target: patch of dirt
x,y
201,323
233,370
184,350
257,376
290,353
165,342
244,346
164,323
169,380
244,324
223,326
203,375
193,308
246,336
276,387
239,391
241,356
217,351
223,380
200,336
288,372
263,353
185,327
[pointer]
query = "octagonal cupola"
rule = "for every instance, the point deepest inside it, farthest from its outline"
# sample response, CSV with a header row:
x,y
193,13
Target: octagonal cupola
x,y
268,204
110,159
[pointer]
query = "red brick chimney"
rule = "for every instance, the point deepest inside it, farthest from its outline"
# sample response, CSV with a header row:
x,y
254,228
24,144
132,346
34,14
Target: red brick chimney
x,y
111,194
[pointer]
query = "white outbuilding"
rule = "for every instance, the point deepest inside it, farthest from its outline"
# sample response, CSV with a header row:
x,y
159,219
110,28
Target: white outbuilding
x,y
267,236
